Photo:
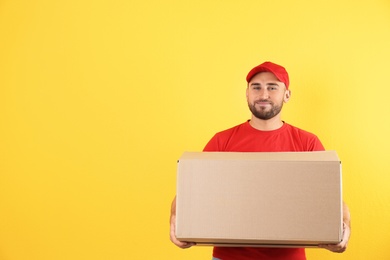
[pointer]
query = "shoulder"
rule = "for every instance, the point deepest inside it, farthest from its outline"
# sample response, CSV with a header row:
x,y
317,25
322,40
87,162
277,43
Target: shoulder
x,y
309,140
299,131
221,139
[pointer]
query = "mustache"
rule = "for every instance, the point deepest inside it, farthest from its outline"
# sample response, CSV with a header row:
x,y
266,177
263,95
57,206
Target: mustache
x,y
262,101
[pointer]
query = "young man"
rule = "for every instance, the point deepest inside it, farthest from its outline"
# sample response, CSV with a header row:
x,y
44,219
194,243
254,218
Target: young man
x,y
267,91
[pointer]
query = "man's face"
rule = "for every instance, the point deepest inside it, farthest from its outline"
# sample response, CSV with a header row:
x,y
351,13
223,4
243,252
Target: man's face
x,y
266,95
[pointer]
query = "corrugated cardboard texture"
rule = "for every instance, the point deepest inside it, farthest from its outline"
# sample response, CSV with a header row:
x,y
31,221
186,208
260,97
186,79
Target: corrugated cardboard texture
x,y
282,199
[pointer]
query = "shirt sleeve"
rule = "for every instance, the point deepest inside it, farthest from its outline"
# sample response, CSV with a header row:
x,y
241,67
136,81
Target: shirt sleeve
x,y
212,145
316,145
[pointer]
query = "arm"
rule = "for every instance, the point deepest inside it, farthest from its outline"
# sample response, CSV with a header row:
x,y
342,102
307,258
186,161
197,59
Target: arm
x,y
173,228
342,246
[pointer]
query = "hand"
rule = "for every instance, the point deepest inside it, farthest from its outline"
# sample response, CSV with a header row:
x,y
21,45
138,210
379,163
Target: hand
x,y
173,236
342,246
174,240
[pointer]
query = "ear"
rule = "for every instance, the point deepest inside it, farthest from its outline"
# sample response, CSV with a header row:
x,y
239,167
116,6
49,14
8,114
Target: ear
x,y
287,96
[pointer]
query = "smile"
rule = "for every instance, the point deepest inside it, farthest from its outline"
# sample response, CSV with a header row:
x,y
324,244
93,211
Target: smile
x,y
263,103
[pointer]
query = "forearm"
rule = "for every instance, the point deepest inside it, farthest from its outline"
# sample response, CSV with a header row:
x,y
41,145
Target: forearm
x,y
346,215
173,207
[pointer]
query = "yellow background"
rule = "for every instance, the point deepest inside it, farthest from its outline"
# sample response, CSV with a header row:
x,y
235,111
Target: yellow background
x,y
98,99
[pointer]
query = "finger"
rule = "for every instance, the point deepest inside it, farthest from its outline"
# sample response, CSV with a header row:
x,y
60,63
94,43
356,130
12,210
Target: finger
x,y
177,242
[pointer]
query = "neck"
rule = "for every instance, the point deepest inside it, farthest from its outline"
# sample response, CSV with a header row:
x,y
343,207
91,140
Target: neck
x,y
266,125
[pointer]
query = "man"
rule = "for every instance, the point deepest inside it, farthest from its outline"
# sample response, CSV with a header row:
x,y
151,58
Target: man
x,y
266,92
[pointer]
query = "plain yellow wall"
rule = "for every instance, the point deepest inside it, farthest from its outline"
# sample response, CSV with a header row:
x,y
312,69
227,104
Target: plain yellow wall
x,y
98,99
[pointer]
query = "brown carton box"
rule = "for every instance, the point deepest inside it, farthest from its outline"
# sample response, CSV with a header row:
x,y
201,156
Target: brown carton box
x,y
283,199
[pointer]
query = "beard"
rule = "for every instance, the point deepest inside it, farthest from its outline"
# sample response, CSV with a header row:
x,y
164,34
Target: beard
x,y
263,113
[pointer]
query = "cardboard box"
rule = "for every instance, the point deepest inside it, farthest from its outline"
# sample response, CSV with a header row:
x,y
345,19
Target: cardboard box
x,y
279,199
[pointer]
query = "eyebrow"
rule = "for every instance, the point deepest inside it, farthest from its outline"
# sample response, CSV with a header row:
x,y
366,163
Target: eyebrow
x,y
267,84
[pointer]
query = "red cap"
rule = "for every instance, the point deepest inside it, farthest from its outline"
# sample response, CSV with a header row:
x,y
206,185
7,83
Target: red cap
x,y
279,72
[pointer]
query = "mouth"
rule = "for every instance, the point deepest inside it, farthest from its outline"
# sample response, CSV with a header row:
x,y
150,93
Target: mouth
x,y
263,103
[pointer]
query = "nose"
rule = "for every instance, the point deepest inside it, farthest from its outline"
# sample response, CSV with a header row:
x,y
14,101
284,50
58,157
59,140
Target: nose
x,y
264,94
